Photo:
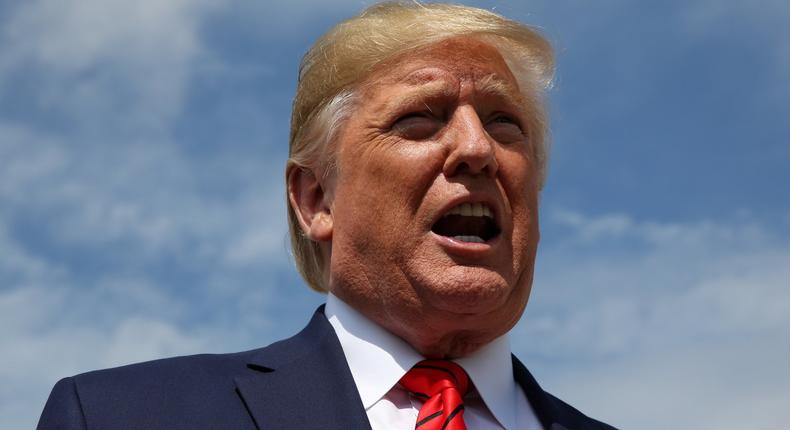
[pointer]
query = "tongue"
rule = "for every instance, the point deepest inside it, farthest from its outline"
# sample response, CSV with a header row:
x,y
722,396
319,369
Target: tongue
x,y
475,239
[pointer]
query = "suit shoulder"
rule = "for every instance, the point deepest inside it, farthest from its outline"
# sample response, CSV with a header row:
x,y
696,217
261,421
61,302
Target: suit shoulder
x,y
204,363
193,372
178,392
63,409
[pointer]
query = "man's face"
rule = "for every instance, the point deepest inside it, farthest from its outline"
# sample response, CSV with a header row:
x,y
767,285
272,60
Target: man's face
x,y
435,198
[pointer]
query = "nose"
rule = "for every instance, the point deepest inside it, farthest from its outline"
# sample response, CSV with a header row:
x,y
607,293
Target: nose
x,y
472,151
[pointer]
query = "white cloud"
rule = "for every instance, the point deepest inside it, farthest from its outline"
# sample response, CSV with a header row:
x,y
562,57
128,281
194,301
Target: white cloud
x,y
139,203
705,386
51,331
91,58
118,70
659,323
145,194
614,224
115,184
17,263
138,339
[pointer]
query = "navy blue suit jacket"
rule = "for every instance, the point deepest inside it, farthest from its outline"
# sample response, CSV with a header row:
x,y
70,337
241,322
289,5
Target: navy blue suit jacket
x,y
299,383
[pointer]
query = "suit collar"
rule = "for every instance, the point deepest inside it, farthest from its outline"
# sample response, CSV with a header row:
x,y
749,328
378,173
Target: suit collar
x,y
535,395
303,382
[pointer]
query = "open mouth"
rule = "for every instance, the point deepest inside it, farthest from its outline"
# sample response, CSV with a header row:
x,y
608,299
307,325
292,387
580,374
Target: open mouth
x,y
468,222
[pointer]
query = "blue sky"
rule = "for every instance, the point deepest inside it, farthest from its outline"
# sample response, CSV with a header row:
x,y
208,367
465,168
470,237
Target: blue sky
x,y
142,213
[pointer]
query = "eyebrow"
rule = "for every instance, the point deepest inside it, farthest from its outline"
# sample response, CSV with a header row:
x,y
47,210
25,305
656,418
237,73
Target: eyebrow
x,y
421,88
419,93
493,85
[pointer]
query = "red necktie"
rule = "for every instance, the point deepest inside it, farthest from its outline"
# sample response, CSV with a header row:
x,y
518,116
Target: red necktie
x,y
442,385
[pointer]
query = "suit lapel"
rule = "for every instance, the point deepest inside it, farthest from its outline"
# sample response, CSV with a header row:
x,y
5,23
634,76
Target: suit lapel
x,y
538,398
554,414
303,382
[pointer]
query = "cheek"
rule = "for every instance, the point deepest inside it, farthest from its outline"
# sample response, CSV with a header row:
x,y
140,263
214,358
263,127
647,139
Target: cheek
x,y
519,168
375,201
401,174
520,182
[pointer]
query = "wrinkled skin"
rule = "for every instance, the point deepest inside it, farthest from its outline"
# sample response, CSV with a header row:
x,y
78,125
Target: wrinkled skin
x,y
437,127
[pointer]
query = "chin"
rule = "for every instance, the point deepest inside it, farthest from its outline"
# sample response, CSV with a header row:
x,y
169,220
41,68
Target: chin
x,y
468,291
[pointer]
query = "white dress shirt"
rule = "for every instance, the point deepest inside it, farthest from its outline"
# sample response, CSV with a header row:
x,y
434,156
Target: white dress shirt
x,y
378,359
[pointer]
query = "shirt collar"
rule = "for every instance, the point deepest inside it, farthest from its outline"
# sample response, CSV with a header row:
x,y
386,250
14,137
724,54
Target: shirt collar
x,y
491,370
378,359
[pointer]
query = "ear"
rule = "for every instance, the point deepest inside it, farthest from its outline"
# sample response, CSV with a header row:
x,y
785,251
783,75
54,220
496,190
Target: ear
x,y
311,204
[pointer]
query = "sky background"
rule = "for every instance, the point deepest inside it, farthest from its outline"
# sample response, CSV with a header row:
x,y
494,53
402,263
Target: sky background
x,y
142,215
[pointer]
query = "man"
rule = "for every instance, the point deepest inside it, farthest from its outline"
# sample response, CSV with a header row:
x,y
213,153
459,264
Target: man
x,y
417,156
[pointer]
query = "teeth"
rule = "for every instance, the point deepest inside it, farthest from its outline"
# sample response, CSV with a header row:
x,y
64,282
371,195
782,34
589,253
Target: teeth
x,y
471,209
475,239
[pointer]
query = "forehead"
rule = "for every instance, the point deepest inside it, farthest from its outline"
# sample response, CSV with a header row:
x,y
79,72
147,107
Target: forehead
x,y
447,65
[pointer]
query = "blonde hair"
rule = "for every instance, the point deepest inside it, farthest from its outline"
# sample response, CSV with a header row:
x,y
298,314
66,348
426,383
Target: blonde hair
x,y
343,57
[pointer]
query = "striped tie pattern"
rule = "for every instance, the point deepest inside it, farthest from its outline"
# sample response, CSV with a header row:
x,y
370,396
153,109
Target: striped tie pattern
x,y
441,385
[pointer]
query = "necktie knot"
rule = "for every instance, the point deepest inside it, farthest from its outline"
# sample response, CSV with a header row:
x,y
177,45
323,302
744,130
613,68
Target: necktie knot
x,y
441,385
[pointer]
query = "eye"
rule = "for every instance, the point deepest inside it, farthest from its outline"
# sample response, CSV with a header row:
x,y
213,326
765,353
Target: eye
x,y
504,119
416,126
505,128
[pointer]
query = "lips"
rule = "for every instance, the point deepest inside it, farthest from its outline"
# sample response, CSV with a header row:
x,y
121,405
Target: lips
x,y
468,222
